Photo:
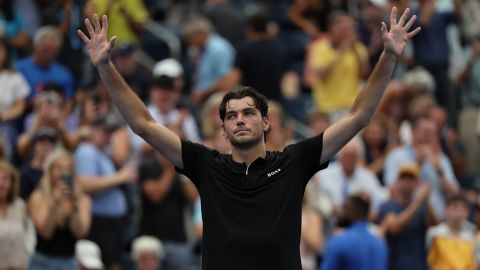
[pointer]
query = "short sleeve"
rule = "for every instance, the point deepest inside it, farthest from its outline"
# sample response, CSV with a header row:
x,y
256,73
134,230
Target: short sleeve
x,y
195,158
22,89
307,154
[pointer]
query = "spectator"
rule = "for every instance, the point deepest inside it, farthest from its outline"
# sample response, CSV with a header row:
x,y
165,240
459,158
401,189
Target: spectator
x,y
346,177
431,48
376,138
148,253
282,134
41,67
404,219
102,181
16,228
163,97
311,16
336,65
41,146
48,113
124,58
61,214
215,57
451,243
88,255
262,60
165,196
13,29
469,80
15,90
126,18
435,167
210,119
311,238
317,122
356,248
227,19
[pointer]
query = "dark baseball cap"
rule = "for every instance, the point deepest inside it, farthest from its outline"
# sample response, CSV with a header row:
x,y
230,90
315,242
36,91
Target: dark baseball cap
x,y
105,122
45,133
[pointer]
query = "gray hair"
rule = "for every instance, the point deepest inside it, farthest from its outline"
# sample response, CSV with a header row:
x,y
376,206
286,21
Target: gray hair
x,y
197,24
47,32
147,243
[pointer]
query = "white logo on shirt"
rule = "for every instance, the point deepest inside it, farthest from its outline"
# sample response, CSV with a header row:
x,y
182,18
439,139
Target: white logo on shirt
x,y
274,172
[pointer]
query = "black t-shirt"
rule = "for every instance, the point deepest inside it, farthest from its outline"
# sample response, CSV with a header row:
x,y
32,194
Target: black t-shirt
x,y
252,214
29,179
263,64
163,219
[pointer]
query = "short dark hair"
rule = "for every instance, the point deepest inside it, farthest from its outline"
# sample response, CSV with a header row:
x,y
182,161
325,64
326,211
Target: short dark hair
x,y
422,117
360,206
259,100
457,198
258,22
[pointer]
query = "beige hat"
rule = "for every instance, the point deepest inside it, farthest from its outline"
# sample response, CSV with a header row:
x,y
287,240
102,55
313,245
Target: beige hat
x,y
409,169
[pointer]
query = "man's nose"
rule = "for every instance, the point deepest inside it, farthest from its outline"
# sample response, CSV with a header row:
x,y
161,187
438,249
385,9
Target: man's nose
x,y
240,120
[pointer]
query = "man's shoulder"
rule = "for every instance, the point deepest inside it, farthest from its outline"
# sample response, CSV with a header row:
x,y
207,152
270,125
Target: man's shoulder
x,y
86,148
24,63
60,68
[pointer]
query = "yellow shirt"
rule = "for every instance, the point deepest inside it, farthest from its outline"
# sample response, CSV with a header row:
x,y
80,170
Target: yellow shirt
x,y
450,252
340,88
118,24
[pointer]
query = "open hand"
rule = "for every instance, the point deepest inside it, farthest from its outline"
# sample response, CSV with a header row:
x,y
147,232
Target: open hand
x,y
99,48
394,41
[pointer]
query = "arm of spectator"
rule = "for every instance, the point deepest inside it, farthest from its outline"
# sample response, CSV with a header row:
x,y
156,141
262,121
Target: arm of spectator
x,y
80,218
233,78
431,218
121,151
445,173
156,189
361,54
14,111
94,184
189,190
135,14
64,26
44,213
20,41
395,223
129,104
311,235
295,15
339,133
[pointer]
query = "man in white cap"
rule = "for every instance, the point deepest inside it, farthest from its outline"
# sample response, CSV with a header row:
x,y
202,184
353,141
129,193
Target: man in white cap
x,y
88,255
147,251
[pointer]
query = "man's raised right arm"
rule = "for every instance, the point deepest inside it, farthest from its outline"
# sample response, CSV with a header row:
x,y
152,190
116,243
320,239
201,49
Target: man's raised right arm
x,y
128,103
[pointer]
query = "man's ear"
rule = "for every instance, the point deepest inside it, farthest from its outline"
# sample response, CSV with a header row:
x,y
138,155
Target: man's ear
x,y
266,123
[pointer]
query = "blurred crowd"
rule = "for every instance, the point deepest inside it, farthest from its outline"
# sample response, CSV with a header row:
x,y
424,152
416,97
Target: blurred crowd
x,y
80,190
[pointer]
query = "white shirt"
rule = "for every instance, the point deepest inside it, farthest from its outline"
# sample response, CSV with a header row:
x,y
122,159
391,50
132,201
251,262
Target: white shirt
x,y
13,87
338,186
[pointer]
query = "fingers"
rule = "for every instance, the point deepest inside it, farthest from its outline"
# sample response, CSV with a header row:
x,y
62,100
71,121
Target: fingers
x,y
414,32
91,32
96,23
393,17
82,36
112,42
383,30
104,23
404,16
410,23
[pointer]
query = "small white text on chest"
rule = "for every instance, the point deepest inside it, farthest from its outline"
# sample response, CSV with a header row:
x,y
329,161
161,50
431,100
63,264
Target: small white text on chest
x,y
270,174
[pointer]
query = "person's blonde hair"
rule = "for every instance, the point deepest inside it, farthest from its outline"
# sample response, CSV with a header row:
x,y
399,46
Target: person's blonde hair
x,y
12,173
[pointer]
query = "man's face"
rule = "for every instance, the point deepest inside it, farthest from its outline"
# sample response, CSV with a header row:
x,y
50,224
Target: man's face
x,y
406,185
163,99
424,132
46,51
243,123
148,260
343,29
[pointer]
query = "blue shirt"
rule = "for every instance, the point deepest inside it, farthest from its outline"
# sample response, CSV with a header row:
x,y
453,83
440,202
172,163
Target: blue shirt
x,y
406,154
90,161
407,249
215,62
431,44
38,76
355,249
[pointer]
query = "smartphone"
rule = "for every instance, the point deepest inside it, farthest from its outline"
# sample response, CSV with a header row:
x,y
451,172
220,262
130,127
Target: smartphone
x,y
68,180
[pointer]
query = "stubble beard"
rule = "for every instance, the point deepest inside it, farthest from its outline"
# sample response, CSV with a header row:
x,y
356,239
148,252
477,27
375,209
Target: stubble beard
x,y
247,144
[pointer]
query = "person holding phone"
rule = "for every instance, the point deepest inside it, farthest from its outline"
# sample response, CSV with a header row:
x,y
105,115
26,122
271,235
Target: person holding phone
x,y
61,214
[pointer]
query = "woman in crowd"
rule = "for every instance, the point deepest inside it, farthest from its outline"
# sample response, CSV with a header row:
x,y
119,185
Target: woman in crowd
x,y
16,229
60,212
14,90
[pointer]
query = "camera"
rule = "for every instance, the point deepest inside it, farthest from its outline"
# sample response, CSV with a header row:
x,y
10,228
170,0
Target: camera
x,y
68,180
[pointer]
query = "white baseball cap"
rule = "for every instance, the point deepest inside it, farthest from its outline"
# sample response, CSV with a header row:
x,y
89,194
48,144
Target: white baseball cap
x,y
88,254
169,67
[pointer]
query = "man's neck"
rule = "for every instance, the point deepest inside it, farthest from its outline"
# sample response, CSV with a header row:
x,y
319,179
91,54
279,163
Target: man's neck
x,y
454,227
249,155
37,62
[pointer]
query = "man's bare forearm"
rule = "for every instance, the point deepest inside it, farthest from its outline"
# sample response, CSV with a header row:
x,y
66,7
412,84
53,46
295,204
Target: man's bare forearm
x,y
368,99
128,103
